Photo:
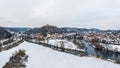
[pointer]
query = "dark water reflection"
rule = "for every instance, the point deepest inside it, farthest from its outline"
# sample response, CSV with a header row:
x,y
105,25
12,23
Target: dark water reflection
x,y
98,53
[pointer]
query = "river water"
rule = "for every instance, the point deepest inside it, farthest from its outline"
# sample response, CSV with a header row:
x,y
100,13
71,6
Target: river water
x,y
106,55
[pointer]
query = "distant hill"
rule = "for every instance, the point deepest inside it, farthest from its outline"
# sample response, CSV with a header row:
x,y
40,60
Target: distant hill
x,y
54,29
115,32
15,29
46,29
4,33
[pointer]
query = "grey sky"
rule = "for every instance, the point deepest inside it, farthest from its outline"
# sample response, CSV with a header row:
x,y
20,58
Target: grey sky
x,y
103,14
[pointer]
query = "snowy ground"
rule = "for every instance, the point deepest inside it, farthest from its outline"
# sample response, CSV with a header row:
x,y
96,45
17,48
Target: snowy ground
x,y
111,47
67,44
42,57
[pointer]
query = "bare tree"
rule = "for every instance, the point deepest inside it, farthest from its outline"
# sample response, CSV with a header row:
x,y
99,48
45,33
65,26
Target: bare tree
x,y
62,45
0,47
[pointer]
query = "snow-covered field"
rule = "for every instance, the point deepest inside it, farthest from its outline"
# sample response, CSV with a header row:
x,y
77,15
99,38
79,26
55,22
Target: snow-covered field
x,y
42,57
111,47
67,44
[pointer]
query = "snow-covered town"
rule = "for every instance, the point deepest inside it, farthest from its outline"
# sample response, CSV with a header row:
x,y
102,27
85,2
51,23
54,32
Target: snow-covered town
x,y
87,49
59,33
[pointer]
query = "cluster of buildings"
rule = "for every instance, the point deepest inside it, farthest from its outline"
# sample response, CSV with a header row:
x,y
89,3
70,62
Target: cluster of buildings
x,y
103,37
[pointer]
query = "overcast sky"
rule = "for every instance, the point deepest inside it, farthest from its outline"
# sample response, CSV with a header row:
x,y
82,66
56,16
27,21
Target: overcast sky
x,y
103,14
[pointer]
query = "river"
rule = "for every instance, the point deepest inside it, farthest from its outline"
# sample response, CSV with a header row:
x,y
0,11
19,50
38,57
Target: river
x,y
106,55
